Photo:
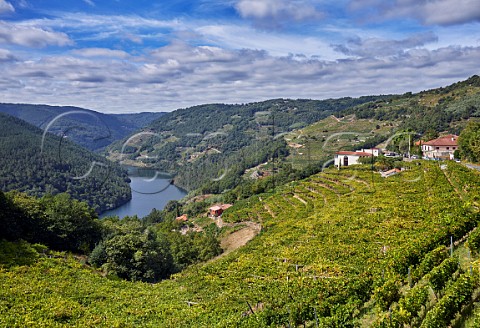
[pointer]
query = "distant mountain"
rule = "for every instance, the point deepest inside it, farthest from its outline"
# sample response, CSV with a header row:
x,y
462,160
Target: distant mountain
x,y
211,145
91,129
41,163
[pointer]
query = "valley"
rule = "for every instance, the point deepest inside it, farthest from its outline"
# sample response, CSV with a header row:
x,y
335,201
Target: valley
x,y
326,256
304,244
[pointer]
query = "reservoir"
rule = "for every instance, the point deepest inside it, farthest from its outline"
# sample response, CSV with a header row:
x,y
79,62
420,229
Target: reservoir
x,y
150,189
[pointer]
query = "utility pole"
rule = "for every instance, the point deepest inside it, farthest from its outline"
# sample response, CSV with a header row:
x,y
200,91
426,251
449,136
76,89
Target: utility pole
x,y
273,140
409,142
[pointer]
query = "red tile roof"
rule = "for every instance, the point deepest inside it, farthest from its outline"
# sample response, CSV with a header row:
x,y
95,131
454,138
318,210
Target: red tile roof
x,y
182,218
220,207
449,140
355,153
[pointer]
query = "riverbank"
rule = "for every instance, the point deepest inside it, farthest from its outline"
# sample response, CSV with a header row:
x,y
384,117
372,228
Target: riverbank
x,y
151,189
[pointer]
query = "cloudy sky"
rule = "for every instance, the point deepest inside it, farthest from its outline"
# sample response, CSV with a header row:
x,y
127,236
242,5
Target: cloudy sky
x,y
129,56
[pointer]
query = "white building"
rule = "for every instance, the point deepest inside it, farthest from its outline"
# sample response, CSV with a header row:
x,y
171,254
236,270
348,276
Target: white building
x,y
440,148
375,151
346,158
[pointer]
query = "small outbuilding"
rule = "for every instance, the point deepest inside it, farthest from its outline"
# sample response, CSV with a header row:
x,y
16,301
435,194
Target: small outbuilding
x,y
391,172
183,218
217,210
346,158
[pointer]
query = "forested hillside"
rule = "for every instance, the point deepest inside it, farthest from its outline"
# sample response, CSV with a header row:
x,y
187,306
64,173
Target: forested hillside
x,y
342,248
41,164
421,116
210,146
88,128
441,109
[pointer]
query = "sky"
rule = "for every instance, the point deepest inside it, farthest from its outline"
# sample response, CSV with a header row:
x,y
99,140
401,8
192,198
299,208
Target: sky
x,y
117,56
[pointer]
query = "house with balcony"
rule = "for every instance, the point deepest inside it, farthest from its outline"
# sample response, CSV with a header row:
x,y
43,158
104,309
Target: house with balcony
x,y
440,148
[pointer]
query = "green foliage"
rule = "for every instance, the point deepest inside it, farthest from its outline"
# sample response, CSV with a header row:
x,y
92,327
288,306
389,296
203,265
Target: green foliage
x,y
135,249
210,146
17,253
385,163
137,256
192,248
98,256
441,275
427,112
387,293
69,224
431,260
469,141
57,221
323,247
57,167
474,241
410,305
458,294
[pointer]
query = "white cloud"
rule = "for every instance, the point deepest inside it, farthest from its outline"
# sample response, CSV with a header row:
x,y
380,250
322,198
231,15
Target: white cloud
x,y
275,13
428,12
6,7
223,62
180,75
31,36
276,44
450,12
6,56
89,2
100,52
377,47
92,22
103,27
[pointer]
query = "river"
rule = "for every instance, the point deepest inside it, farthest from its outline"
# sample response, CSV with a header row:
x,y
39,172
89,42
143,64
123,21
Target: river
x,y
150,189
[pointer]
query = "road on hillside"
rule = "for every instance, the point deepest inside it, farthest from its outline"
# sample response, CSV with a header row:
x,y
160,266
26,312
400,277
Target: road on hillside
x,y
473,166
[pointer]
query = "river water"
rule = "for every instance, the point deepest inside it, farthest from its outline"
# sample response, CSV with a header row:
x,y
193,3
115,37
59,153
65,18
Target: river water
x,y
150,189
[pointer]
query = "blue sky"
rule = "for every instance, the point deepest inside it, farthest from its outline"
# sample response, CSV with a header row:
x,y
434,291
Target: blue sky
x,y
128,56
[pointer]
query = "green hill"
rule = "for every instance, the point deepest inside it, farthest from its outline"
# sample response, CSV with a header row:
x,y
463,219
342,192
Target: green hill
x,y
442,109
340,249
39,164
424,115
318,142
88,128
210,146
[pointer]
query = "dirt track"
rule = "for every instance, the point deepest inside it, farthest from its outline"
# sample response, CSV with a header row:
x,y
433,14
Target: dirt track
x,y
241,237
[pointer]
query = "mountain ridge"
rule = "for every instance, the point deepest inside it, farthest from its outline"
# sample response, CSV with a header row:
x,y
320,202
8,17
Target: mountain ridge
x,y
91,129
41,163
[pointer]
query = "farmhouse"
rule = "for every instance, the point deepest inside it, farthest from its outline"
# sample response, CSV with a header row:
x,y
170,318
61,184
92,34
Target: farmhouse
x,y
217,210
440,148
346,158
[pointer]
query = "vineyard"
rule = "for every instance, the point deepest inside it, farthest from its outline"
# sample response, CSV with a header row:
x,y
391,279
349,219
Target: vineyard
x,y
342,248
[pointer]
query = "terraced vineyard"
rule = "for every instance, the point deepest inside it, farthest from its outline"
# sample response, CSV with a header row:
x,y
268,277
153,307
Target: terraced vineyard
x,y
339,249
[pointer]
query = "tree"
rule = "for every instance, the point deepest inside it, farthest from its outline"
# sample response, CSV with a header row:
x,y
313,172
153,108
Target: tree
x,y
69,224
138,256
469,142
